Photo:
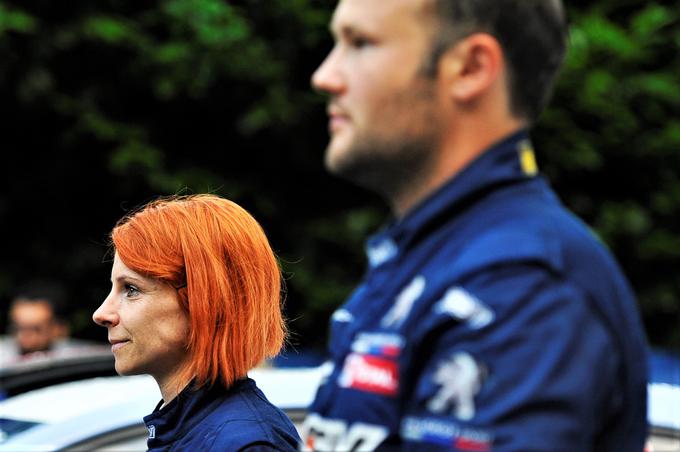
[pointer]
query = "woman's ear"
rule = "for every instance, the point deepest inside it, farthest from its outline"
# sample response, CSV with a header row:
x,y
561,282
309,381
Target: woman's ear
x,y
471,67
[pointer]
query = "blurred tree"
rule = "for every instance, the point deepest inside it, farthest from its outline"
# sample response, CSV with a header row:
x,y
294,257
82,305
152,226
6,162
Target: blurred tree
x,y
109,103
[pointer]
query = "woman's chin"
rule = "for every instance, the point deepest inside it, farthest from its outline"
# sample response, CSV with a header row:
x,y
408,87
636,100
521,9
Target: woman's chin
x,y
123,370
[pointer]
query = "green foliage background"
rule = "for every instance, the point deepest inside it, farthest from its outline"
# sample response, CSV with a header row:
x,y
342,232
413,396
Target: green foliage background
x,y
107,104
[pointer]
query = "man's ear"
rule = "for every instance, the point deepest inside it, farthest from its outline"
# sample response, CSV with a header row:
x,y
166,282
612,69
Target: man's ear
x,y
471,67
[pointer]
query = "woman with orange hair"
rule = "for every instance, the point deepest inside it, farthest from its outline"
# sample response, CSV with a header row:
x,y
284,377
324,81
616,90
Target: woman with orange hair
x,y
195,303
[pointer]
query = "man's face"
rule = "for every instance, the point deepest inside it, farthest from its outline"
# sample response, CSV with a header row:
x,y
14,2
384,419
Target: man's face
x,y
33,324
385,115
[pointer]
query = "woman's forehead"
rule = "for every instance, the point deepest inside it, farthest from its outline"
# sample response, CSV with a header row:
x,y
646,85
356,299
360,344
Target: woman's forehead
x,y
120,271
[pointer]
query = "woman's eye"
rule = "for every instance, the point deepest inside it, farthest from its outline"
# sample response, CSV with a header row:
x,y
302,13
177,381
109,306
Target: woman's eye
x,y
131,291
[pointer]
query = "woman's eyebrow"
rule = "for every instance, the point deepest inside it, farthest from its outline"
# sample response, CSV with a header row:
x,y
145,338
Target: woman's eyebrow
x,y
122,278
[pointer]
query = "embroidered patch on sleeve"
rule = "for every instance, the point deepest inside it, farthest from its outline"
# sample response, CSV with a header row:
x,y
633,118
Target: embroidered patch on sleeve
x,y
462,305
445,433
459,379
379,344
370,374
403,303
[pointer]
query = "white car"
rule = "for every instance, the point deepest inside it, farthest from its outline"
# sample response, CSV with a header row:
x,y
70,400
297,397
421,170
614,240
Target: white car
x,y
105,413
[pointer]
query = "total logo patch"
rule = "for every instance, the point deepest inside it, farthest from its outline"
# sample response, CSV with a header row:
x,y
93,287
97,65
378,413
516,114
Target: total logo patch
x,y
379,344
370,374
446,433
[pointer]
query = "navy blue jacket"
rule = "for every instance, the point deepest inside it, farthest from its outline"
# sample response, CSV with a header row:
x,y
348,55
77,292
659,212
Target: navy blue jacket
x,y
490,318
216,419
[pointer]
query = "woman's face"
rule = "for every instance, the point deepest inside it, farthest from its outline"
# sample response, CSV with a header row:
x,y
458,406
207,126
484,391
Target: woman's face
x,y
148,330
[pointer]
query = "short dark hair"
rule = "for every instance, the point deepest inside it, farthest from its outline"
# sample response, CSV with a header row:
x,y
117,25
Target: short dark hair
x,y
532,34
48,291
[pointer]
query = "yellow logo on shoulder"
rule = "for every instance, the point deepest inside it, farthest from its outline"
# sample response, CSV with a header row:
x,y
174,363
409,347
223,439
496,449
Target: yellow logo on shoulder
x,y
527,159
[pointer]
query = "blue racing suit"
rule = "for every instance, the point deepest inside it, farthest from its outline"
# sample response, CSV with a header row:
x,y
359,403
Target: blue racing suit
x,y
217,419
489,318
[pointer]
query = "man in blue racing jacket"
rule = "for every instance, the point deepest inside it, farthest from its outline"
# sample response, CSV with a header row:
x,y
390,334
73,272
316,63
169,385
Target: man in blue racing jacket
x,y
489,318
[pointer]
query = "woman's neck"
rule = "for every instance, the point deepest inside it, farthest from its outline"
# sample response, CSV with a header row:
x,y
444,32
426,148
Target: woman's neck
x,y
171,386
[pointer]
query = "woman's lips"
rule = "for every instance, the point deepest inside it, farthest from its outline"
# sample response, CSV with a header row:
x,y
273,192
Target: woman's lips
x,y
117,345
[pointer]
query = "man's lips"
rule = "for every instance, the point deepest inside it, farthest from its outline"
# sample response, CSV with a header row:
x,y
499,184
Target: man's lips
x,y
337,119
337,122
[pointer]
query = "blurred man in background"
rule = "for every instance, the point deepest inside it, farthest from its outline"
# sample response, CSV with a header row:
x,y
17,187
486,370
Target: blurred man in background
x,y
489,317
36,322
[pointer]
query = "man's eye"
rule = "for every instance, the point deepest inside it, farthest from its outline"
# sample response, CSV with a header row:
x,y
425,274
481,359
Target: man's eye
x,y
131,291
359,42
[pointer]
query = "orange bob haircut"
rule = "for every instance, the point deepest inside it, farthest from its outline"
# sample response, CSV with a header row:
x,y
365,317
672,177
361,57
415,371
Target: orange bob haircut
x,y
229,283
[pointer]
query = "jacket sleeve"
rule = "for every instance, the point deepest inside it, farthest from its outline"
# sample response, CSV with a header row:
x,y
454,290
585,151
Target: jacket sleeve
x,y
511,359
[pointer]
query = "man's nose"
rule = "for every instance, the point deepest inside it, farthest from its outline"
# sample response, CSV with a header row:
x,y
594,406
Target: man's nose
x,y
328,77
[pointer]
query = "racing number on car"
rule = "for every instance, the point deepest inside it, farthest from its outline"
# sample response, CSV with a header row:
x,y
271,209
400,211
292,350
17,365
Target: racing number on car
x,y
333,434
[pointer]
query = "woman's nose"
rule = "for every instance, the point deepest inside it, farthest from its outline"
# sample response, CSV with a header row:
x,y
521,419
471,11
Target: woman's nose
x,y
106,314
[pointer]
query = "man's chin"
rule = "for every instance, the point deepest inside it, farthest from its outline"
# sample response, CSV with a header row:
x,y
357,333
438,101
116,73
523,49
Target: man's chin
x,y
333,159
343,168
357,169
342,152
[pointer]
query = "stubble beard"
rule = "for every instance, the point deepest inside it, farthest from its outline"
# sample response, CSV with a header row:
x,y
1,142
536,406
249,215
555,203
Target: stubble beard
x,y
390,162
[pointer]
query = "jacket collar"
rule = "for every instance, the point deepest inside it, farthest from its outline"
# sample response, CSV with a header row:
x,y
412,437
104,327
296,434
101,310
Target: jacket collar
x,y
508,161
184,412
